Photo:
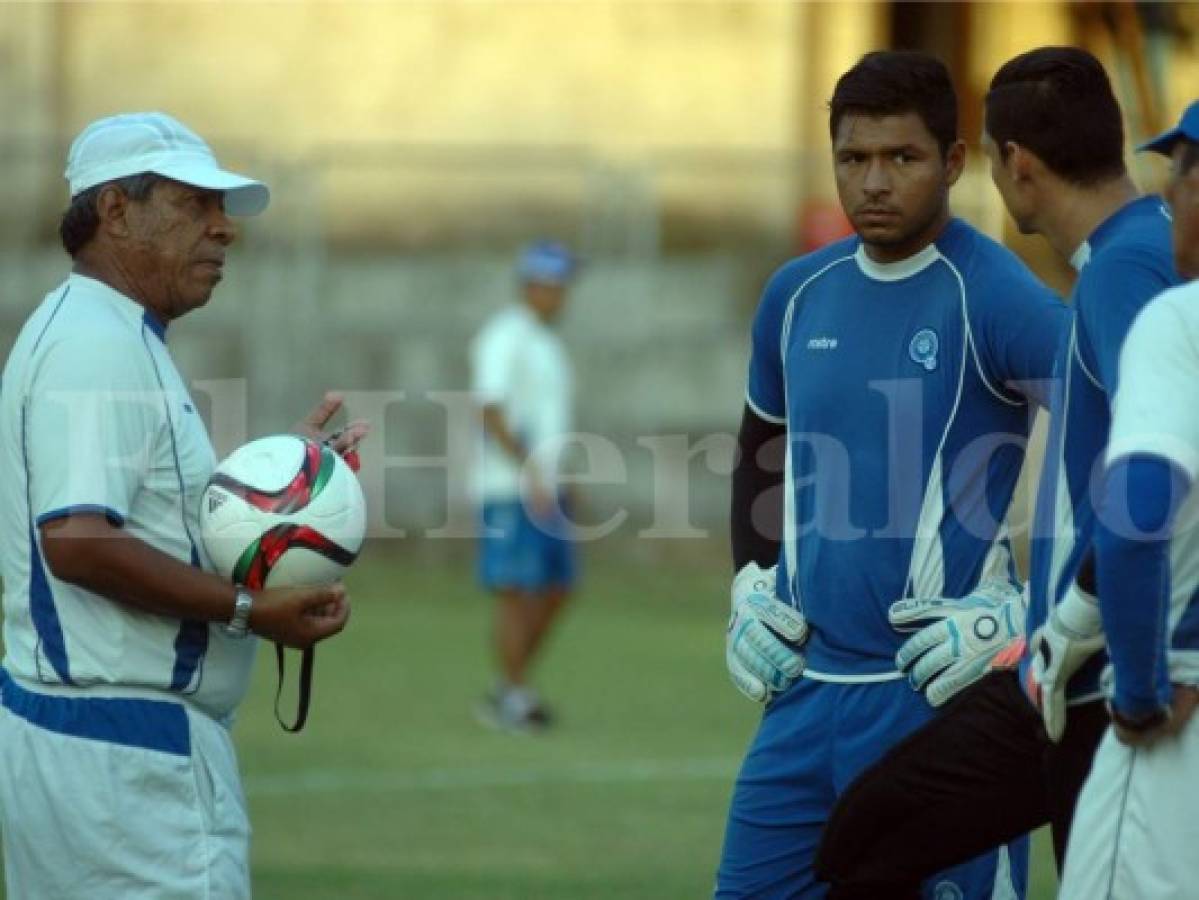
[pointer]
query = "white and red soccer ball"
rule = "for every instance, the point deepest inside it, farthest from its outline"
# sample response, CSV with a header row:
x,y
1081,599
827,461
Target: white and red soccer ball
x,y
282,510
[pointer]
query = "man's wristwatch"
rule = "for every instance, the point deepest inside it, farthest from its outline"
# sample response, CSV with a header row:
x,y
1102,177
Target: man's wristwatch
x,y
239,625
1140,724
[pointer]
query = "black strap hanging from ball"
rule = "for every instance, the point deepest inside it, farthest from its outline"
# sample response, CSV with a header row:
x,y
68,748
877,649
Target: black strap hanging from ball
x,y
307,661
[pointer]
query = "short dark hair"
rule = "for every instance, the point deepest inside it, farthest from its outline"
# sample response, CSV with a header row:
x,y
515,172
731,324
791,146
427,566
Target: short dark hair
x,y
81,219
895,82
1058,103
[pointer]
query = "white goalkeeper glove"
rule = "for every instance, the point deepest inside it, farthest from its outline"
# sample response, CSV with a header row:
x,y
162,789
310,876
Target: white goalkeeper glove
x,y
1071,635
762,645
956,638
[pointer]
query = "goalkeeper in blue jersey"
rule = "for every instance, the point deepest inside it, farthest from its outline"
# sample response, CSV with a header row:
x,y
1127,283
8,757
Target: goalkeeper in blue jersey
x,y
1026,736
890,381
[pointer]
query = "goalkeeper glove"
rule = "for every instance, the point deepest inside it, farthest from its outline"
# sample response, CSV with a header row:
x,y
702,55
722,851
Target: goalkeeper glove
x,y
1071,635
761,647
956,638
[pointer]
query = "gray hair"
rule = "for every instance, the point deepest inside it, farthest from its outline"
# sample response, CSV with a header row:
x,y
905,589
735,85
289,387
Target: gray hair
x,y
81,219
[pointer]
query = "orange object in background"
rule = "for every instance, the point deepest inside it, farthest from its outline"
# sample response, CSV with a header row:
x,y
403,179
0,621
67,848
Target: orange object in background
x,y
820,223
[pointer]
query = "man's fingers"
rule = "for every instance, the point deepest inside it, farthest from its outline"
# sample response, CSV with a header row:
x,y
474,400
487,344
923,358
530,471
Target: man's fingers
x,y
773,653
347,439
956,679
912,615
930,664
316,599
748,684
1182,706
314,423
784,619
1053,713
920,643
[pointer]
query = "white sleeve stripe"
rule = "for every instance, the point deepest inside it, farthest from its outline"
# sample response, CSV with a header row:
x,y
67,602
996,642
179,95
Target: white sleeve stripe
x,y
786,330
978,367
970,338
1082,365
762,414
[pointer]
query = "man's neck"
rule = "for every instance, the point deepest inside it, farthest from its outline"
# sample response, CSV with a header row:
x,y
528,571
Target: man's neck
x,y
893,253
1078,211
109,271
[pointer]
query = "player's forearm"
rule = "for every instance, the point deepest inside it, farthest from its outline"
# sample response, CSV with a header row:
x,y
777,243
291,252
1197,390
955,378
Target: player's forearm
x,y
90,552
497,429
1132,548
756,517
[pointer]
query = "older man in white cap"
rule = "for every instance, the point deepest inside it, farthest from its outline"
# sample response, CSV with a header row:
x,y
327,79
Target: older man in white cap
x,y
125,658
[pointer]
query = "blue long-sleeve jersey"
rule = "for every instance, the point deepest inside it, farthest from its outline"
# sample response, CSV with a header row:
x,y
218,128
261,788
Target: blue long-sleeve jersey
x,y
1147,544
1124,263
904,391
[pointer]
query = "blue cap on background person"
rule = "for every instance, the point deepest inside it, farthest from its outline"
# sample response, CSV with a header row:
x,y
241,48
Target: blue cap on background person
x,y
547,262
1187,127
135,143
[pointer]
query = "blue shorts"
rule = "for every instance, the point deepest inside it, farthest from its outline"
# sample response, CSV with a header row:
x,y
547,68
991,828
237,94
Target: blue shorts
x,y
812,743
519,553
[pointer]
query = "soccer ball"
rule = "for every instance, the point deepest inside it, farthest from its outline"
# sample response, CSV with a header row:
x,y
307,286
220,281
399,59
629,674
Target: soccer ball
x,y
282,510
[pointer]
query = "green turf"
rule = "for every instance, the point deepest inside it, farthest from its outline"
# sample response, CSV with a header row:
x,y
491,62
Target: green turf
x,y
394,791
409,797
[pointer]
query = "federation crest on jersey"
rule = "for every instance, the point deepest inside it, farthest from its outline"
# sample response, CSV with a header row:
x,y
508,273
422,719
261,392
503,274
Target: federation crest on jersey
x,y
923,349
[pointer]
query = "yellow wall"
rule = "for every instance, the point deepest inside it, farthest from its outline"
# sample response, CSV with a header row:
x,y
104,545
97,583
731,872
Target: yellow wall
x,y
293,75
624,82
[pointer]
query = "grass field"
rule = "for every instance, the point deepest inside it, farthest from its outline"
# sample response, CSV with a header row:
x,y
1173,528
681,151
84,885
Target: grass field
x,y
394,791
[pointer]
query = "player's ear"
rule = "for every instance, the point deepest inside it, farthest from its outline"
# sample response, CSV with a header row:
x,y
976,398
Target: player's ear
x,y
112,208
955,162
1019,161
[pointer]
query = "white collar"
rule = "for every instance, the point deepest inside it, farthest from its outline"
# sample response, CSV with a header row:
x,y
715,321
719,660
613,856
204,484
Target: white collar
x,y
896,271
1081,256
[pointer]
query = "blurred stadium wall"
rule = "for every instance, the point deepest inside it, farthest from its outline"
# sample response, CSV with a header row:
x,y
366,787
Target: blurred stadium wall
x,y
412,146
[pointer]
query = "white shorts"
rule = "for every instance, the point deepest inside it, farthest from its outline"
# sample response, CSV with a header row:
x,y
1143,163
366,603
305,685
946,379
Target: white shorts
x,y
118,797
1136,828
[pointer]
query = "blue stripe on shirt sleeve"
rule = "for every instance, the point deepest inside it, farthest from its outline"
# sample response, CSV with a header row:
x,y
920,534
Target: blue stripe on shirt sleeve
x,y
113,517
1142,495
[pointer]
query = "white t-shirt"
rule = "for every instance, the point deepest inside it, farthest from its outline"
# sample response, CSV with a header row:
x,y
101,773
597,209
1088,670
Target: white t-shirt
x,y
1157,412
94,416
521,366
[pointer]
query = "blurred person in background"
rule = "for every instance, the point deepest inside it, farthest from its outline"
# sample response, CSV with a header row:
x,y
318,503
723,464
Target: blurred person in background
x,y
523,385
896,369
125,659
1027,733
1136,827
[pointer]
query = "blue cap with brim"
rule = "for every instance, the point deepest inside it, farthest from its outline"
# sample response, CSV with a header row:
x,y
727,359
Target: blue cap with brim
x,y
1186,129
547,262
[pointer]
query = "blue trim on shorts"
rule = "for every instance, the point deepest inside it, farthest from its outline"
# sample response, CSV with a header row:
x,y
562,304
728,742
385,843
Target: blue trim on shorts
x,y
130,722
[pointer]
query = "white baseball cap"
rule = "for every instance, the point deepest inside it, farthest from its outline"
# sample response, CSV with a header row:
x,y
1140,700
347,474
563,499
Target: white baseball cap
x,y
133,143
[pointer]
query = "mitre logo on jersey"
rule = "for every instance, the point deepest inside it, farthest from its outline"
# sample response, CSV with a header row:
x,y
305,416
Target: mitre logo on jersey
x,y
216,499
923,349
822,343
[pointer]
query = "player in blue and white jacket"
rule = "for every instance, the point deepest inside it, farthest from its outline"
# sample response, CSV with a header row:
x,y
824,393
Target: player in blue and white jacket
x,y
899,365
1136,829
1054,135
